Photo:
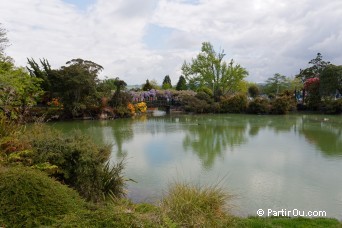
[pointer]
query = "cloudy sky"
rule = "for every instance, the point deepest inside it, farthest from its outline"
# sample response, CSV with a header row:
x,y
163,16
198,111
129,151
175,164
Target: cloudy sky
x,y
148,39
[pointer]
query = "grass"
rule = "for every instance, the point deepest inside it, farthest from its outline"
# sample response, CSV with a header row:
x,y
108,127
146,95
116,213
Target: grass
x,y
189,205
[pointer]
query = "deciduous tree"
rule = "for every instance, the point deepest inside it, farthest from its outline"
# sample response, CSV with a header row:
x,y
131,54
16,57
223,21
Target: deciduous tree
x,y
210,70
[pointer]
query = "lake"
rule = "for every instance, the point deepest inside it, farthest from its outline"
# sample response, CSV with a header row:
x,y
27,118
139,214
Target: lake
x,y
267,162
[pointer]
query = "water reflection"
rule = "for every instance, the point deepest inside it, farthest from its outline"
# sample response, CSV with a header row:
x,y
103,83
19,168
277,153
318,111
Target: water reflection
x,y
122,131
325,133
209,137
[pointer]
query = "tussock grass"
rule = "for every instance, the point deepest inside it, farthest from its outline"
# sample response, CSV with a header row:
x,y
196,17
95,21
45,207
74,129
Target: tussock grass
x,y
189,205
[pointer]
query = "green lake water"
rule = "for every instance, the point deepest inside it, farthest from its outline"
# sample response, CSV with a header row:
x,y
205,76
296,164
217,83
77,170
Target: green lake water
x,y
267,162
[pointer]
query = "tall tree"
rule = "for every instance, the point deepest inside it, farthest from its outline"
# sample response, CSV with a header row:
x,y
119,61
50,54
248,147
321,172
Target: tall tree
x,y
210,70
167,82
276,84
40,72
147,86
317,66
3,40
331,80
18,90
181,84
77,85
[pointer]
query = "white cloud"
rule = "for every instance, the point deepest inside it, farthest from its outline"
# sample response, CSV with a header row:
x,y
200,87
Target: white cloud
x,y
264,36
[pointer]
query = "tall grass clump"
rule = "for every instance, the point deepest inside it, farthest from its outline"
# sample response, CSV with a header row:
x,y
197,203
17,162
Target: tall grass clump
x,y
188,205
29,198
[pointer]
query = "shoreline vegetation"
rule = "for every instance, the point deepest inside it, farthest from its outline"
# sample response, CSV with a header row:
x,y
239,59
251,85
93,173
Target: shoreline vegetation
x,y
49,178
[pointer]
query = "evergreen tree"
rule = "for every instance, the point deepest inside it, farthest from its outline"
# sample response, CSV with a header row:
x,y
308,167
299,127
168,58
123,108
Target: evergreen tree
x,y
167,82
181,84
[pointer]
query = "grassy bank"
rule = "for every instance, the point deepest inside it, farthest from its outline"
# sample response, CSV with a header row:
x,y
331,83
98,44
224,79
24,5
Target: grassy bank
x,y
29,198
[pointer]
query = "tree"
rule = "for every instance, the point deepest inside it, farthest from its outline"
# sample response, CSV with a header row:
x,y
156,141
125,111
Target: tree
x,y
120,98
3,40
276,84
208,69
181,84
331,80
76,85
40,72
147,86
317,67
18,90
167,82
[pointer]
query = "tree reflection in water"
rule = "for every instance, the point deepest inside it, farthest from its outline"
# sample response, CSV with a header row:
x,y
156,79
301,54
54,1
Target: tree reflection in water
x,y
209,138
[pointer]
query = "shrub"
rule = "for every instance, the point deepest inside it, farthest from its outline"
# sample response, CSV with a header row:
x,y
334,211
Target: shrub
x,y
282,105
205,97
193,206
193,104
258,106
253,91
79,162
234,104
29,198
332,106
206,90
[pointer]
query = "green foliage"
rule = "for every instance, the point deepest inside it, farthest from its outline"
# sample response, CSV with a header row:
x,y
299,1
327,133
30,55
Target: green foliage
x,y
80,162
120,213
208,69
29,198
205,97
253,91
43,74
332,106
194,104
283,104
234,104
205,90
331,80
276,84
286,222
18,90
167,83
195,206
318,65
147,86
77,86
181,84
258,106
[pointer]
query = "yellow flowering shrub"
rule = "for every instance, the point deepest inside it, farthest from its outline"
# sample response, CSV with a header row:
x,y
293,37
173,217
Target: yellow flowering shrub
x,y
141,107
131,108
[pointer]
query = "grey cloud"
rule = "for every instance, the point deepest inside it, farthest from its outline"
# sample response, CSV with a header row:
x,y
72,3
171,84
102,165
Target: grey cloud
x,y
264,36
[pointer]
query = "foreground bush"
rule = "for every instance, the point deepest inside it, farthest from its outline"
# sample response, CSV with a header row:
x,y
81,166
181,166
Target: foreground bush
x,y
193,206
30,198
76,161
